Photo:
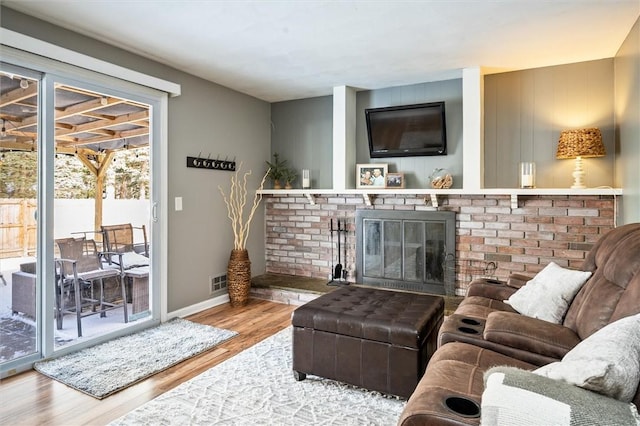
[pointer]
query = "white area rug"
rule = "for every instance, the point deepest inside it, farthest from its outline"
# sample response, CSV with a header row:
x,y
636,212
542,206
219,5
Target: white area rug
x,y
104,369
256,387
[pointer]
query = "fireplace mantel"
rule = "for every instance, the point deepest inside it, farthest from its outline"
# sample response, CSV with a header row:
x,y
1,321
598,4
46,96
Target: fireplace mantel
x,y
431,195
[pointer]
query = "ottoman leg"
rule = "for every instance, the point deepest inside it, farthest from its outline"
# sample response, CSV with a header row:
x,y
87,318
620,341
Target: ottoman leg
x,y
299,376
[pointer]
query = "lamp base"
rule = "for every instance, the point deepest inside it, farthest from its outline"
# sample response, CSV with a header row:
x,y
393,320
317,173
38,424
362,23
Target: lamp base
x,y
578,175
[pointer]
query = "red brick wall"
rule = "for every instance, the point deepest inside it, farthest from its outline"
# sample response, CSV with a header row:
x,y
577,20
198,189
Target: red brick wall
x,y
523,240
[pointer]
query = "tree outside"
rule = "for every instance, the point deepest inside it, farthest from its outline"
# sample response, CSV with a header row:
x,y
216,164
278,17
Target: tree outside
x,y
128,175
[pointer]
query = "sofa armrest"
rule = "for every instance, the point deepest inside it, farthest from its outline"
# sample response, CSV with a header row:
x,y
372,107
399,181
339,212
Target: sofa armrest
x,y
496,289
524,398
517,280
529,334
490,288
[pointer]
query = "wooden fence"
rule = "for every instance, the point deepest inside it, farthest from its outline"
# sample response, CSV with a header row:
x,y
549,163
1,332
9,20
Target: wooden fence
x,y
18,230
17,227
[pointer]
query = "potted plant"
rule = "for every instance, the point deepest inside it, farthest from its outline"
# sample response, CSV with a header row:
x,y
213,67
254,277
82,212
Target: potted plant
x,y
239,267
276,170
289,176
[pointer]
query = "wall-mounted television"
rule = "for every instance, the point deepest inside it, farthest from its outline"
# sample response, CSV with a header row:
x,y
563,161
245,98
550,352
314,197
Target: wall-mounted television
x,y
407,130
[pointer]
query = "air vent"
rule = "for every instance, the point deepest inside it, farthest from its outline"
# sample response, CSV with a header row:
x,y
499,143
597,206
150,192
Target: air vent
x,y
218,284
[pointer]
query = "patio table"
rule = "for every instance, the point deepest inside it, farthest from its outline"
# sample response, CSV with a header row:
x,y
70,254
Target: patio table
x,y
139,289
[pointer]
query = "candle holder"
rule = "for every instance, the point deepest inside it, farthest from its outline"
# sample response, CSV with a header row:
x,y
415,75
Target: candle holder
x,y
527,174
306,179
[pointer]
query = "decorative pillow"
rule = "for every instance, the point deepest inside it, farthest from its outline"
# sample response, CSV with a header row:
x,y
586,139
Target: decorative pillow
x,y
132,259
607,362
518,397
548,294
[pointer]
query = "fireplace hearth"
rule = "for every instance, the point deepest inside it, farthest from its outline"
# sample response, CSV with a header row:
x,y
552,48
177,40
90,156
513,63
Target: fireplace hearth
x,y
406,250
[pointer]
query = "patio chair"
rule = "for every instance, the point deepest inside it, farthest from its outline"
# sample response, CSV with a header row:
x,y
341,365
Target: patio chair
x,y
79,267
119,239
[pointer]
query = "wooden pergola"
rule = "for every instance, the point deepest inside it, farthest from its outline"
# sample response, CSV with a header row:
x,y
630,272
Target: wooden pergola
x,y
89,125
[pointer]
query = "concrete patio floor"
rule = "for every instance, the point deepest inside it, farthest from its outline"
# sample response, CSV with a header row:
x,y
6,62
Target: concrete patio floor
x,y
18,332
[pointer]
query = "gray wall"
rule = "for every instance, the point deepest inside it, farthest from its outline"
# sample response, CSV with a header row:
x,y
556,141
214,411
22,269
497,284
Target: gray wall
x,y
302,133
525,111
206,118
627,92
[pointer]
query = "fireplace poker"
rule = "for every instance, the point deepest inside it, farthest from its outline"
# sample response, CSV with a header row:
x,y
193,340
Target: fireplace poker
x,y
338,271
331,231
345,272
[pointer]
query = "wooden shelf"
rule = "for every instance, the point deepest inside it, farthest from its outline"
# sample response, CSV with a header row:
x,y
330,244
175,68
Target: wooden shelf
x,y
484,191
431,195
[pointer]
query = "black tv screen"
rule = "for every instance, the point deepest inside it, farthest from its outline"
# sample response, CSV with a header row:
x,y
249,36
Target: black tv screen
x,y
408,130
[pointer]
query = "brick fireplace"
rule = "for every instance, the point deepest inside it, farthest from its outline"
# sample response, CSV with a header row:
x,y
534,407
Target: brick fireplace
x,y
542,228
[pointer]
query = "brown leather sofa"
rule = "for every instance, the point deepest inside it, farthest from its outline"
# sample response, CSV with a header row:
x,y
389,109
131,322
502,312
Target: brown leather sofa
x,y
485,332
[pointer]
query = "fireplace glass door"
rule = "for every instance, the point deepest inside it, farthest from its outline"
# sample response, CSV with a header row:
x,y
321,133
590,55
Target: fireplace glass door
x,y
392,248
404,250
413,251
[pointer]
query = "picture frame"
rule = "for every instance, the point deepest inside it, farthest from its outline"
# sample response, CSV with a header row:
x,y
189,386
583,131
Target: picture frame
x,y
395,180
371,175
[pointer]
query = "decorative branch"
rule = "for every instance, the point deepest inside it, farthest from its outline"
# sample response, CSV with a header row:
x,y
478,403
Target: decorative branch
x,y
236,202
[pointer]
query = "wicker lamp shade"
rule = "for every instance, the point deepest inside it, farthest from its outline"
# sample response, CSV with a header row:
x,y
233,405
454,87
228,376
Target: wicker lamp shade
x,y
580,143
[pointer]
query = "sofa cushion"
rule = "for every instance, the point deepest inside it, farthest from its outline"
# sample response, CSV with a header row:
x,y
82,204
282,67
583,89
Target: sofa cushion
x,y
607,362
132,260
481,307
29,267
548,295
552,341
518,397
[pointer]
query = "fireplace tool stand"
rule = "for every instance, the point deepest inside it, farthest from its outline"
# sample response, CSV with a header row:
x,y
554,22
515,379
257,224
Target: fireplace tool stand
x,y
338,272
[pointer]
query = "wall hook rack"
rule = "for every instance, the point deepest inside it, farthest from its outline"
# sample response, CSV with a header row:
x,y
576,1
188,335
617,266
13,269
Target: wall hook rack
x,y
207,163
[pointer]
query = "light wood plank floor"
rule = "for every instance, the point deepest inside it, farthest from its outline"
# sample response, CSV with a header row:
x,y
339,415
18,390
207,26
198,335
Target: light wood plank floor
x,y
33,399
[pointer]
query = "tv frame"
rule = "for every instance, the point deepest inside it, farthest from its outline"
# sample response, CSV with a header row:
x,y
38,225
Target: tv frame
x,y
418,152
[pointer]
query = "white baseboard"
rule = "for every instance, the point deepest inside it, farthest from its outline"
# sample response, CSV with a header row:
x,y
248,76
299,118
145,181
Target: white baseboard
x,y
198,307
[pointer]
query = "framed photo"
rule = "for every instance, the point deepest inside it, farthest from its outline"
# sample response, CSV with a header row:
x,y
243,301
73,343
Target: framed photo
x,y
395,180
371,175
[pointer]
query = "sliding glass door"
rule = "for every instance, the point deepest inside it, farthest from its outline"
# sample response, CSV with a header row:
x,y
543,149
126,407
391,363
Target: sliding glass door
x,y
77,176
101,211
19,168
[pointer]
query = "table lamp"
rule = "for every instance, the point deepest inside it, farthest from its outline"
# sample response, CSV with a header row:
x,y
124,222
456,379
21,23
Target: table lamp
x,y
579,144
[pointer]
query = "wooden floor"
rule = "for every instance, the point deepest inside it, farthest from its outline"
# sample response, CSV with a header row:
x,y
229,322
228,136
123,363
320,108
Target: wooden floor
x,y
33,399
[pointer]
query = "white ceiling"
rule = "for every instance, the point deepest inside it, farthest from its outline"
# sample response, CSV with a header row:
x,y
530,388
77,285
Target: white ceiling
x,y
282,50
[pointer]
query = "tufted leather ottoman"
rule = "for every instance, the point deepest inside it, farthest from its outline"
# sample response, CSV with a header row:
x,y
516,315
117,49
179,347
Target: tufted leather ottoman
x,y
376,339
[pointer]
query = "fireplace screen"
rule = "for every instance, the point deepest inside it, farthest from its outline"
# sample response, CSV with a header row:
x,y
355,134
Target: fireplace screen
x,y
404,250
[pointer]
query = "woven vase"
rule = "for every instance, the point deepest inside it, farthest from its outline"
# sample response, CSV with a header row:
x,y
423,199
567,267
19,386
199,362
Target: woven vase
x,y
239,277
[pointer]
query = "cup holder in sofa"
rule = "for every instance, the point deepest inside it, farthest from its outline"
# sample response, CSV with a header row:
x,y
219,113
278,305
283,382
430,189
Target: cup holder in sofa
x,y
464,407
468,330
470,321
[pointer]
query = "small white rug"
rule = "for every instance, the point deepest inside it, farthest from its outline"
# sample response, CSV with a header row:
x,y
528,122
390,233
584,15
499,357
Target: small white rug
x,y
256,387
106,368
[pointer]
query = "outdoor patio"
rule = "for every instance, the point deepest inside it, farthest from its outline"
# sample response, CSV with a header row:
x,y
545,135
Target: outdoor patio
x,y
18,331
